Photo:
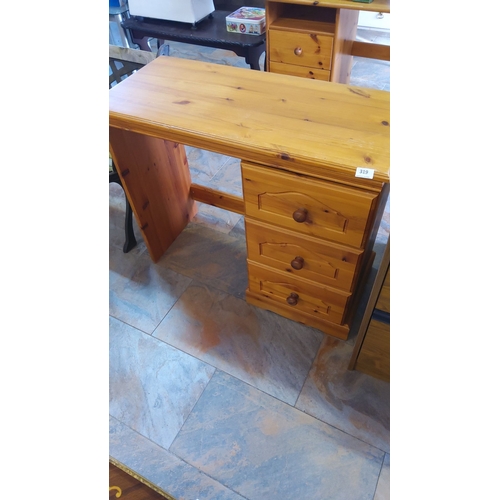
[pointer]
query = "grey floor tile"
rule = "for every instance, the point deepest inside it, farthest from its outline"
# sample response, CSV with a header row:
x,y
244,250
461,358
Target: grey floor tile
x,y
216,218
162,468
228,178
264,449
211,257
383,486
268,351
143,390
142,292
204,165
370,73
349,400
239,229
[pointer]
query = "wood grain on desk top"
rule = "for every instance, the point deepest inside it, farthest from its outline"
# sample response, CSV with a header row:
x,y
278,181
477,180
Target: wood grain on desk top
x,y
306,126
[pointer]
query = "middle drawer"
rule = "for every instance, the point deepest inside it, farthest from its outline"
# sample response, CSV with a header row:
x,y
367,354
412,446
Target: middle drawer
x,y
326,263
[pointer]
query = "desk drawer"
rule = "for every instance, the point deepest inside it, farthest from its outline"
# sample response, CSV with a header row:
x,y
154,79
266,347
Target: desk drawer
x,y
301,49
292,293
329,264
300,71
311,207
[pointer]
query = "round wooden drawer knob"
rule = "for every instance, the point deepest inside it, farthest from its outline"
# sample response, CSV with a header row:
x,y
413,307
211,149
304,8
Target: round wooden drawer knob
x,y
292,299
297,263
298,51
300,215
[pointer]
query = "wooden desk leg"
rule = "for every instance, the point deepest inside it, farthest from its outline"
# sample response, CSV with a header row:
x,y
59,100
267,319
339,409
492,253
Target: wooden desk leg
x,y
155,175
346,28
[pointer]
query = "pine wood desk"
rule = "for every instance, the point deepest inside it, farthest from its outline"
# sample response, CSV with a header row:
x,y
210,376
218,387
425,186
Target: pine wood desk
x,y
310,220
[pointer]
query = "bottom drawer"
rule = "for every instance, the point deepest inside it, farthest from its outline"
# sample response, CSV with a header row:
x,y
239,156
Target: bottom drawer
x,y
293,294
301,71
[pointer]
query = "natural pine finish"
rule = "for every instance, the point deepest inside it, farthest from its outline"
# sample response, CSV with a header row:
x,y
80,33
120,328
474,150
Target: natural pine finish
x,y
218,199
301,49
384,299
371,50
374,357
346,27
371,353
325,303
334,212
311,286
300,143
324,130
326,263
157,181
319,34
301,71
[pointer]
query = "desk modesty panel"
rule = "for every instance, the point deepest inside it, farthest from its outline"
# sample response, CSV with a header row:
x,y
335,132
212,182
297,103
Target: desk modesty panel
x,y
310,220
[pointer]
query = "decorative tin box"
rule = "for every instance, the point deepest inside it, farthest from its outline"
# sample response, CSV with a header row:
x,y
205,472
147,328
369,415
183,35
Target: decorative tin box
x,y
248,20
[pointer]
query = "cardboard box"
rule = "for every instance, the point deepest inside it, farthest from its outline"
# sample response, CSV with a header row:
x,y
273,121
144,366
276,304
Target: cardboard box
x,y
247,20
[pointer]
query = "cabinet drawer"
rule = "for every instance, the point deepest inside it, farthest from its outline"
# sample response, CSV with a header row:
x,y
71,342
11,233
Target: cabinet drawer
x,y
312,207
321,302
301,49
325,263
301,71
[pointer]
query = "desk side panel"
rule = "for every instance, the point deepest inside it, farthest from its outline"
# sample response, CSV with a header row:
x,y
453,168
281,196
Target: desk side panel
x,y
156,178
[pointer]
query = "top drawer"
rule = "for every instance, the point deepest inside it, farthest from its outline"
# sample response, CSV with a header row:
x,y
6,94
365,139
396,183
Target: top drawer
x,y
313,207
301,49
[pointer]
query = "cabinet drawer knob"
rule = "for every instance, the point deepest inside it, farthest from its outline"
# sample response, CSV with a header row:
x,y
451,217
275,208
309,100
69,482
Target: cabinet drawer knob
x,y
298,51
300,215
297,263
292,299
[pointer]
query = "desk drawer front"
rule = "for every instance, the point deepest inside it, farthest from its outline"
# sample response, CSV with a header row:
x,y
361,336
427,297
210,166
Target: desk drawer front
x,y
301,49
325,263
301,71
315,208
321,302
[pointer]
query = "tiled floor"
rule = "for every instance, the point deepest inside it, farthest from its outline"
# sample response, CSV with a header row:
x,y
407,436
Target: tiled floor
x,y
212,398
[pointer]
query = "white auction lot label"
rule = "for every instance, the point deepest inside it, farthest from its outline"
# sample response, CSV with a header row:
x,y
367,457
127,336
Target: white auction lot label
x,y
366,173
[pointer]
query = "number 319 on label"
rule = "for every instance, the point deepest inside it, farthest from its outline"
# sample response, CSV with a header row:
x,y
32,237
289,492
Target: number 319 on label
x,y
366,173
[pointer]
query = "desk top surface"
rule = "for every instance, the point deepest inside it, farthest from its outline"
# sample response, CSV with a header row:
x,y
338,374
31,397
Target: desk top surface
x,y
306,126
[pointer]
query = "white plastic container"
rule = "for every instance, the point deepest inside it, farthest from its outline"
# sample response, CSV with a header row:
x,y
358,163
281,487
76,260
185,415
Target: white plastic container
x,y
184,11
